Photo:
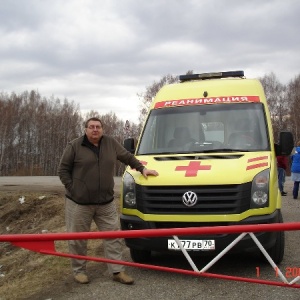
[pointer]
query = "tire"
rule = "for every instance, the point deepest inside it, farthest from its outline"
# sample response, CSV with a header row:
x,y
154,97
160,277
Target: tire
x,y
140,256
277,251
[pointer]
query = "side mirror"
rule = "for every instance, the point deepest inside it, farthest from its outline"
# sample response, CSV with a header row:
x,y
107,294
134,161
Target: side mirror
x,y
129,145
277,150
286,143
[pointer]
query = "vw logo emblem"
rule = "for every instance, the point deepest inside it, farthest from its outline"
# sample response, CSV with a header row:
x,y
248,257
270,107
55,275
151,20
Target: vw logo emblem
x,y
189,198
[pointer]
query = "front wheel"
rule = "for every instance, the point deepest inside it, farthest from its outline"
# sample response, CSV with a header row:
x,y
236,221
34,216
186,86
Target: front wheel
x,y
277,251
140,256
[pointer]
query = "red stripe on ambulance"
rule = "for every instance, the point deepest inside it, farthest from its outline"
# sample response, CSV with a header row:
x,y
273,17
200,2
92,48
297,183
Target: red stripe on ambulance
x,y
260,164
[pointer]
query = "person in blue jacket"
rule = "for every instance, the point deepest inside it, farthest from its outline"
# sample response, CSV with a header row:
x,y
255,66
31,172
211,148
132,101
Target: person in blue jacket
x,y
295,158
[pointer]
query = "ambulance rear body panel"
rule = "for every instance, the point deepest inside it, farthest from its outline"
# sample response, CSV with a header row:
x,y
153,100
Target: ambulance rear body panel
x,y
213,175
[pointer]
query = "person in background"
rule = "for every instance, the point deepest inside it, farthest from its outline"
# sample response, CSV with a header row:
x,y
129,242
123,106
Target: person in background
x,y
282,165
295,170
86,170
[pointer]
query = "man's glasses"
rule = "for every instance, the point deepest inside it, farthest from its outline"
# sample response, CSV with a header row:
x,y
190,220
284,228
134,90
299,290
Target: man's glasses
x,y
92,127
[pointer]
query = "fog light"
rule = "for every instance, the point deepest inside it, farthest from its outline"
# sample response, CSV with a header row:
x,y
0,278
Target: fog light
x,y
130,226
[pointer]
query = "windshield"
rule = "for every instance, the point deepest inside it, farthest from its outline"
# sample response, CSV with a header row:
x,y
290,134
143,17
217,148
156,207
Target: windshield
x,y
205,128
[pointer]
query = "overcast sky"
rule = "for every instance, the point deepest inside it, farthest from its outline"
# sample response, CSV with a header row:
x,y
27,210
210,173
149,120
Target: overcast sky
x,y
101,54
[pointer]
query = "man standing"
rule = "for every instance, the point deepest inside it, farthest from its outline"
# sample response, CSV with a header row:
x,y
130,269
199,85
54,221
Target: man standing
x,y
282,165
86,170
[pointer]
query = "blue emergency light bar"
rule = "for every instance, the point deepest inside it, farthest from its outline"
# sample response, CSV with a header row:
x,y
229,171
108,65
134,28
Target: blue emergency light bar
x,y
214,75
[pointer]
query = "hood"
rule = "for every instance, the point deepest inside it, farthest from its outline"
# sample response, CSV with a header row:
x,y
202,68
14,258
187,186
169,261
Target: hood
x,y
204,169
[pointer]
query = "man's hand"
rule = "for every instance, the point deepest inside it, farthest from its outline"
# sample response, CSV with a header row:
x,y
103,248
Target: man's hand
x,y
147,172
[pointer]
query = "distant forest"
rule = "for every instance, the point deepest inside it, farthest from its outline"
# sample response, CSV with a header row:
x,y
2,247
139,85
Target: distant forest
x,y
34,130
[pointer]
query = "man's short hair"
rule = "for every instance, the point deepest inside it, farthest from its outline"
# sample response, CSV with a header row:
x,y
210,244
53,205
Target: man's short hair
x,y
86,124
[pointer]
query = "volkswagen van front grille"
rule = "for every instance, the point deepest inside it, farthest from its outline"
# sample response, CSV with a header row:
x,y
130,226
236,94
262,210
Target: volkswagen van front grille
x,y
211,199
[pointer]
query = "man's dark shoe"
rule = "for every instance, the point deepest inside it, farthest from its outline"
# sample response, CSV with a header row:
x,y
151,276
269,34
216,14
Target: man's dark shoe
x,y
283,193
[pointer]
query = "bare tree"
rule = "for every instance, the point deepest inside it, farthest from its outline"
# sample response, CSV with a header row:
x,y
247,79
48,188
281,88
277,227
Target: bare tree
x,y
293,94
150,93
10,111
34,132
277,102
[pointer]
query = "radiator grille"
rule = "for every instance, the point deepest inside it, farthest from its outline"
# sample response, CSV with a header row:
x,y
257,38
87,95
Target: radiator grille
x,y
213,199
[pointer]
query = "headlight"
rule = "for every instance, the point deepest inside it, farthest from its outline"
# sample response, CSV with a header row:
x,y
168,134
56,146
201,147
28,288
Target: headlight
x,y
129,195
260,190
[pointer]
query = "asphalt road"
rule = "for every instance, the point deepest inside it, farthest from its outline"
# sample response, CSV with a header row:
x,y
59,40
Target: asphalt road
x,y
34,183
152,284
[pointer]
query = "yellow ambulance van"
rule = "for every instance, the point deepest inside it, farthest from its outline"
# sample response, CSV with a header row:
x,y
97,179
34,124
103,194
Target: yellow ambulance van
x,y
210,138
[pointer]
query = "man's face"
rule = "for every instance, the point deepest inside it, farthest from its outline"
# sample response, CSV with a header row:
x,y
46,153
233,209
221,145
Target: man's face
x,y
94,131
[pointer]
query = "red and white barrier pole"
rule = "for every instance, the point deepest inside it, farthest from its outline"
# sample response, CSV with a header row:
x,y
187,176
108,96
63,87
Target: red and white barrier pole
x,y
44,243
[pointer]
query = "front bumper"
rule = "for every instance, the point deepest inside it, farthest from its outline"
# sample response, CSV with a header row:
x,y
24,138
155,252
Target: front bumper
x,y
222,240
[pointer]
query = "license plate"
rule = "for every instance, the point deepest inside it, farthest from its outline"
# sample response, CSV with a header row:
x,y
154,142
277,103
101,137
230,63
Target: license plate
x,y
192,244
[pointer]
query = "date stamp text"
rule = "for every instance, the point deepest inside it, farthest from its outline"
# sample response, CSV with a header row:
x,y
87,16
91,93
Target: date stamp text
x,y
288,272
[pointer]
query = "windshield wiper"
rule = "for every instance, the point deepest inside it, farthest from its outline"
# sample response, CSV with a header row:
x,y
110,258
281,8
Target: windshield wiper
x,y
196,151
220,150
